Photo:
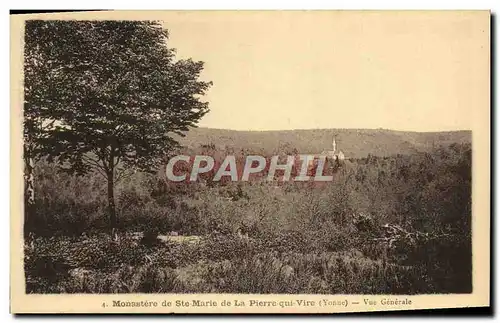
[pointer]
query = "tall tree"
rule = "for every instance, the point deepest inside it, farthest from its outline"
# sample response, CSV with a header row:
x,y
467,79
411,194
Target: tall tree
x,y
117,94
38,119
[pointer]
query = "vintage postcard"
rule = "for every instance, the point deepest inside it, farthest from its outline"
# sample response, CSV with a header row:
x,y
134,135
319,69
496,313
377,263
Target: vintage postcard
x,y
250,161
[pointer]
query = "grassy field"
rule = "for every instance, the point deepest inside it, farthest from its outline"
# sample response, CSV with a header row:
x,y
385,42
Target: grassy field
x,y
387,224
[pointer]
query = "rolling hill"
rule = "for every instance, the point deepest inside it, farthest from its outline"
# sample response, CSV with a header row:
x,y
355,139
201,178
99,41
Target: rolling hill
x,y
355,143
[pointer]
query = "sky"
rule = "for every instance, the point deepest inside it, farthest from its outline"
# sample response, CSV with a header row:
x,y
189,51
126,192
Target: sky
x,y
303,70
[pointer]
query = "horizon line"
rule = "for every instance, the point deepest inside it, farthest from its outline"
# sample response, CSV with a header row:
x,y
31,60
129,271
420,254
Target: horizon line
x,y
306,129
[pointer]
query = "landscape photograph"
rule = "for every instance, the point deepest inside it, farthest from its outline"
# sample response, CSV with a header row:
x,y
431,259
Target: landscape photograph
x,y
108,104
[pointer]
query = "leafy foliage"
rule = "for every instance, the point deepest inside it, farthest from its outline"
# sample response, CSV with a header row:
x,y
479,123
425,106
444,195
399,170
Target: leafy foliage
x,y
115,89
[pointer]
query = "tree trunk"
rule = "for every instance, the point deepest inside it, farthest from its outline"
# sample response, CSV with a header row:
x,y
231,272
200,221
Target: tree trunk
x,y
111,194
29,185
111,202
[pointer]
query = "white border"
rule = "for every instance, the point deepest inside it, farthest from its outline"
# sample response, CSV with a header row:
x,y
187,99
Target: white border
x,y
192,4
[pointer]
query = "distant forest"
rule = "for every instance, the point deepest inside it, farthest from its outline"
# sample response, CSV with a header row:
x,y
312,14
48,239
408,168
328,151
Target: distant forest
x,y
355,143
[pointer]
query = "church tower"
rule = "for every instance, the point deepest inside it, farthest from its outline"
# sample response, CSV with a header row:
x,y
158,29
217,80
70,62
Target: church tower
x,y
334,146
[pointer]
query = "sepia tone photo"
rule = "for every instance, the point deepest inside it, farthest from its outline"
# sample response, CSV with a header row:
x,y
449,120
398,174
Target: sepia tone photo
x,y
252,154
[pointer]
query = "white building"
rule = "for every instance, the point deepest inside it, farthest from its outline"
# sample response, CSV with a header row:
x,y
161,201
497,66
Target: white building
x,y
333,154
